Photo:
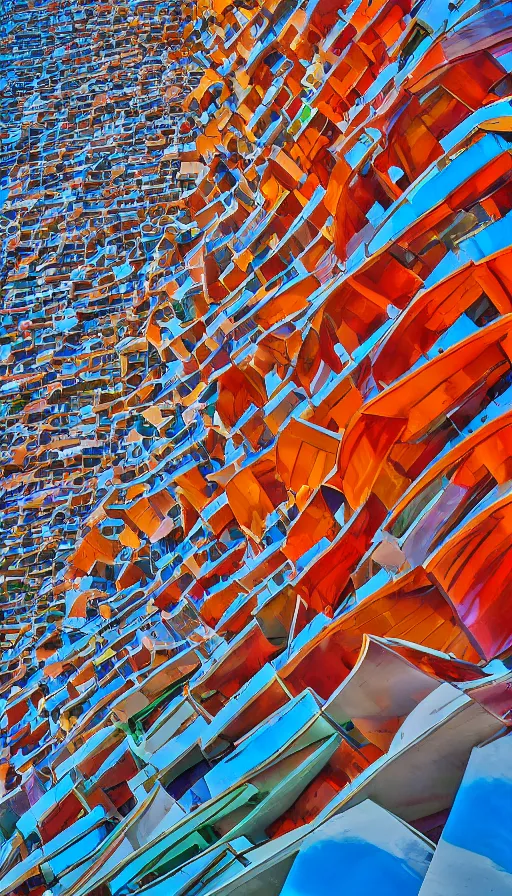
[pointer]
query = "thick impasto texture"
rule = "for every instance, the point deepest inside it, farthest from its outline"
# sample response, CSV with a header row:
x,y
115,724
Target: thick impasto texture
x,y
256,447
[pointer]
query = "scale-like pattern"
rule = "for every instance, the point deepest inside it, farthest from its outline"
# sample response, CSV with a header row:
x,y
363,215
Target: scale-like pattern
x,y
256,447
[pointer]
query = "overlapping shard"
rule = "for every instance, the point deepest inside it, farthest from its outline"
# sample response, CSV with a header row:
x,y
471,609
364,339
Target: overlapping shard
x,y
256,447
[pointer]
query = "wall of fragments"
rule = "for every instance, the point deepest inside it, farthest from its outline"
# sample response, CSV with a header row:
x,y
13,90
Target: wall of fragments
x,y
255,377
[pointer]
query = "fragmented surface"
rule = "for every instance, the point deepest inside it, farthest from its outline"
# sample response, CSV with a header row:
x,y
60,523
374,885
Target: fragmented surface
x,y
256,438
